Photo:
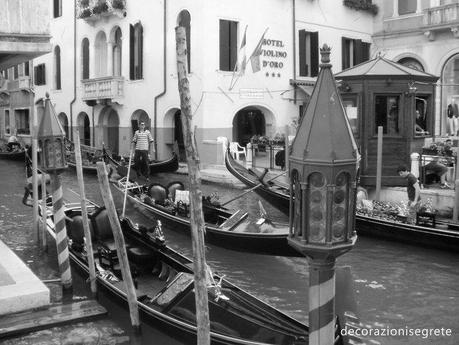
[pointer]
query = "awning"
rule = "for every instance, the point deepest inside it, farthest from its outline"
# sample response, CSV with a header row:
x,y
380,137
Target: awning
x,y
307,89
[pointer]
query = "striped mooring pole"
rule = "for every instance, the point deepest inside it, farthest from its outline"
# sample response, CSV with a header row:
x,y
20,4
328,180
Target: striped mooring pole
x,y
321,302
61,232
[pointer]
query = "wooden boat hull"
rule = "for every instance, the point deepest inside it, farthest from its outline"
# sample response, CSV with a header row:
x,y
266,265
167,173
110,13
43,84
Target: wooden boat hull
x,y
365,226
168,165
408,233
246,236
13,156
255,322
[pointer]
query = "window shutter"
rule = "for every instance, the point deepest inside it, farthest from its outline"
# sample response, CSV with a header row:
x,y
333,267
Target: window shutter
x,y
140,55
365,51
314,54
224,45
344,53
357,50
302,53
131,52
233,45
26,68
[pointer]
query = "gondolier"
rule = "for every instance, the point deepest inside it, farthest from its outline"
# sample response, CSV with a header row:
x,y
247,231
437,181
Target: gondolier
x,y
142,141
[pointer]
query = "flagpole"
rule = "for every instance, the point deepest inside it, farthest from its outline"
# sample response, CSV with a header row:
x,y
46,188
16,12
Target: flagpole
x,y
240,64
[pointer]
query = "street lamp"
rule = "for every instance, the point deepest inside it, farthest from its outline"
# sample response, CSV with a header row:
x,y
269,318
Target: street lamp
x,y
323,174
51,141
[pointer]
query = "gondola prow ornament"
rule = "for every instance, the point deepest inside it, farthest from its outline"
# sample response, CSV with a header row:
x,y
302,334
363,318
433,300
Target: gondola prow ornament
x,y
51,141
323,174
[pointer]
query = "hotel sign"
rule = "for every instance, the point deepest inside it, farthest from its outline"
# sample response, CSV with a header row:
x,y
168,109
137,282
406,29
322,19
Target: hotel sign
x,y
251,93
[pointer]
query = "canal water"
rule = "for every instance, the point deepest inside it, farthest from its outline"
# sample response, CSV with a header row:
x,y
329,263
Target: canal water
x,y
398,287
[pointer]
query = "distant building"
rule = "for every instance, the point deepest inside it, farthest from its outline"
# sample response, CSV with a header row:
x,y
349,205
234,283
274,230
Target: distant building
x,y
424,34
24,35
113,63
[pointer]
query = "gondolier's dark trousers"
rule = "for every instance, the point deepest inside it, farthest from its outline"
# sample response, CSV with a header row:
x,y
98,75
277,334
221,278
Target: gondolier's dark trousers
x,y
141,162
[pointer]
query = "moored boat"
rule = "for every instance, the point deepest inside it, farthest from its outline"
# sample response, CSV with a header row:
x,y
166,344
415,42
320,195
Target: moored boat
x,y
16,154
443,235
170,164
89,157
165,286
226,228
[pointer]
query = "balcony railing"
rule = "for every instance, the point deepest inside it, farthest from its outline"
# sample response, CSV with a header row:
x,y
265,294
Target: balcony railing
x,y
103,88
25,82
441,16
93,10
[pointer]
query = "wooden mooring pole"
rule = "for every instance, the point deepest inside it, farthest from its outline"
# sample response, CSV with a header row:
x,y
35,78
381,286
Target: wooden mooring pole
x,y
194,174
34,157
379,163
120,244
84,214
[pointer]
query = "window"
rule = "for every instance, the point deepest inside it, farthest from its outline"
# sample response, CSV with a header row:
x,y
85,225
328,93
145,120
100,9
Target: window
x,y
406,6
26,68
354,52
7,122
57,8
117,47
40,74
387,114
57,68
136,52
422,118
308,46
184,21
16,72
350,106
228,45
411,63
22,121
85,59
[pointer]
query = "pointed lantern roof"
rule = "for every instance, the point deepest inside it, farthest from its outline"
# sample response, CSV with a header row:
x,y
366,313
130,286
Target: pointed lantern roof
x,y
324,135
50,126
380,67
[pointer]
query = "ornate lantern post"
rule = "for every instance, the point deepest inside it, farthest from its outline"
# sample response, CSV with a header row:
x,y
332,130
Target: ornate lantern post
x,y
51,141
323,174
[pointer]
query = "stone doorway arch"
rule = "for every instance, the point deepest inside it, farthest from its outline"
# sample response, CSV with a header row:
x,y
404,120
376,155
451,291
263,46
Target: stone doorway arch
x,y
109,122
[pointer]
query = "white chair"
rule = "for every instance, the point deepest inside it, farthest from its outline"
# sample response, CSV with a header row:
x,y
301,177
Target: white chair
x,y
237,150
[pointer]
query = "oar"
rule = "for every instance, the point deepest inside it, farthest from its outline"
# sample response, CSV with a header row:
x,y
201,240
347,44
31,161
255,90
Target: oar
x,y
127,180
251,189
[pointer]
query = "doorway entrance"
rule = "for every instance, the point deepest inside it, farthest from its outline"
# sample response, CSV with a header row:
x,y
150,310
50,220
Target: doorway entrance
x,y
247,123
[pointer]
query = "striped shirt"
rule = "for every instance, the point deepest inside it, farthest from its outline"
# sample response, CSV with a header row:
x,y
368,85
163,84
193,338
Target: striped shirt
x,y
142,140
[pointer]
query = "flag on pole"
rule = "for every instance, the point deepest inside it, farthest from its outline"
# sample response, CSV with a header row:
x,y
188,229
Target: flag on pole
x,y
241,63
255,57
242,57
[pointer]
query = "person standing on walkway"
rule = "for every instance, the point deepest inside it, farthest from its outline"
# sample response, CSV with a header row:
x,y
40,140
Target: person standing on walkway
x,y
413,190
142,141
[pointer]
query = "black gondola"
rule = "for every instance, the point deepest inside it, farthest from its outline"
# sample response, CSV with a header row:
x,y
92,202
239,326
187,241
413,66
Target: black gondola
x,y
444,235
170,164
164,280
89,157
229,229
16,153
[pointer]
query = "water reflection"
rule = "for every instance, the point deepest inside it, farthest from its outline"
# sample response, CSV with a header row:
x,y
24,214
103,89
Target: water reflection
x,y
396,285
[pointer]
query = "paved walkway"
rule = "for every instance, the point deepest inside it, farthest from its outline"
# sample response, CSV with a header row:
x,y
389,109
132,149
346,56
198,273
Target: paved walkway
x,y
20,289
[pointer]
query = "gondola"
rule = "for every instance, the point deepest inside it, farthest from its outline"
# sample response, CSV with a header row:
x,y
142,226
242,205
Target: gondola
x,y
443,236
16,154
229,229
165,286
170,164
89,157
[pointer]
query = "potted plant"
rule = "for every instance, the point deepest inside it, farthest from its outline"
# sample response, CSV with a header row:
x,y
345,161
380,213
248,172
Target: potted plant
x,y
84,3
101,7
85,13
118,4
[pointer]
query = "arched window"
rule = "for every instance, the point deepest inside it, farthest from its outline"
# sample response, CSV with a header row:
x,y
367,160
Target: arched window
x,y
185,21
136,52
412,63
101,55
57,68
117,53
85,59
